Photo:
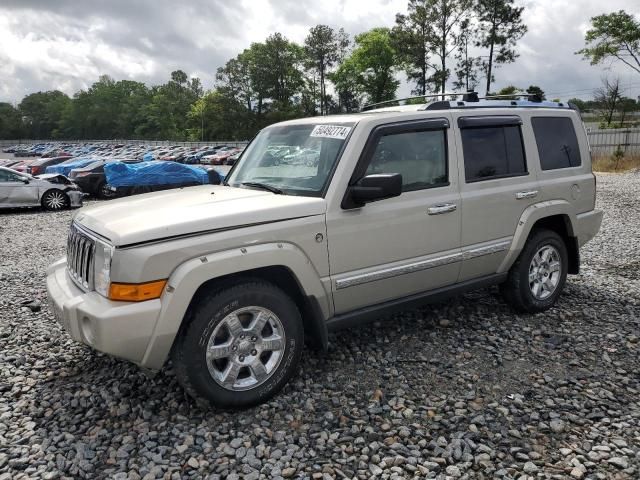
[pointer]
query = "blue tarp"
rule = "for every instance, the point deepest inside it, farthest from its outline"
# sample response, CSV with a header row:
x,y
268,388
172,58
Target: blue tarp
x,y
153,173
65,168
149,156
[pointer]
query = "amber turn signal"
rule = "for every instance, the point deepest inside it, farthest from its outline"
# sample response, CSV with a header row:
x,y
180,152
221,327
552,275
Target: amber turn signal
x,y
136,292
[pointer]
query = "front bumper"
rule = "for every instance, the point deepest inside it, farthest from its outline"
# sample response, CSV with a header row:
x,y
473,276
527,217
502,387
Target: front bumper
x,y
121,329
75,198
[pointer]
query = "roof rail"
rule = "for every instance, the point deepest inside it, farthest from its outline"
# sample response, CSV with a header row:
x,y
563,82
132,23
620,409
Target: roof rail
x,y
471,99
469,96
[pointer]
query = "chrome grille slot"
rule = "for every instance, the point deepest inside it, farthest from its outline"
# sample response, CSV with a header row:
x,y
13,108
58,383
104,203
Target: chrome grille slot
x,y
80,257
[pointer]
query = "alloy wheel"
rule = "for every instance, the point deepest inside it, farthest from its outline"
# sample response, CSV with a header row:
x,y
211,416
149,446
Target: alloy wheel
x,y
245,348
545,271
55,200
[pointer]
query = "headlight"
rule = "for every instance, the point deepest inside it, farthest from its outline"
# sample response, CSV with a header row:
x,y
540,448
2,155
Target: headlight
x,y
102,268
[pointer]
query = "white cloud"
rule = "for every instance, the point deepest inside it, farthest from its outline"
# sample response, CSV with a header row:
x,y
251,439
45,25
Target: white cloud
x,y
67,44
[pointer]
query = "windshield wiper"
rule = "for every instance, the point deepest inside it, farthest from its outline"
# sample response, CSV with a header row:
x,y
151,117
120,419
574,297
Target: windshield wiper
x,y
263,186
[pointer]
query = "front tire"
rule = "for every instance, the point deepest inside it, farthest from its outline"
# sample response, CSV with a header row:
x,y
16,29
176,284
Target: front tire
x,y
55,200
537,278
241,345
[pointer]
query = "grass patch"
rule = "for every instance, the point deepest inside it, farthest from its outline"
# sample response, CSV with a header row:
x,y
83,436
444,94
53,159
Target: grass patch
x,y
611,163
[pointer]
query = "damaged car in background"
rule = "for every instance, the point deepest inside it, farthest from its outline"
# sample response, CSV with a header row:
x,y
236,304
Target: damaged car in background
x,y
51,191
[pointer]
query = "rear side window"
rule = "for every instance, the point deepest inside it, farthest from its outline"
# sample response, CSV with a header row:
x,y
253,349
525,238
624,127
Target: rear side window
x,y
557,142
493,152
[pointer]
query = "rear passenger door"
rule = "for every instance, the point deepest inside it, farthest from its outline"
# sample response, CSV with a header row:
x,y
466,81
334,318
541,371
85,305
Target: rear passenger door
x,y
496,184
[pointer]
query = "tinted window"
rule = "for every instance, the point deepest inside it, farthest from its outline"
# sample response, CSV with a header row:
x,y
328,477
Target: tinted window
x,y
420,157
557,142
493,152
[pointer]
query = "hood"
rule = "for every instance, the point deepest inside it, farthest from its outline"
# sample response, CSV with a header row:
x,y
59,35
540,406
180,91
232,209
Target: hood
x,y
173,213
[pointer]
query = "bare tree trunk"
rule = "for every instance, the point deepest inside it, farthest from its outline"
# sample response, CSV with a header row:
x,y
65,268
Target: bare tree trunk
x,y
490,66
322,89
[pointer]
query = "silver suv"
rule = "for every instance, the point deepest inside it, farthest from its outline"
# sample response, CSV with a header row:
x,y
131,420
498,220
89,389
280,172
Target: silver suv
x,y
326,222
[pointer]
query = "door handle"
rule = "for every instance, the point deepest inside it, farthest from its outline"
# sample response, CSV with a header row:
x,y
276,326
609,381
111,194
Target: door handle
x,y
527,194
442,208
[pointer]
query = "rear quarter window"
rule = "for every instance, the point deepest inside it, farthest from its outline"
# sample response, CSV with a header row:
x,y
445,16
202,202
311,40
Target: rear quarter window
x,y
557,142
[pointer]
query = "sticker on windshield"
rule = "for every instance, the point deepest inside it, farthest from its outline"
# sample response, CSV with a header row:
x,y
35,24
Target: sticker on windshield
x,y
330,131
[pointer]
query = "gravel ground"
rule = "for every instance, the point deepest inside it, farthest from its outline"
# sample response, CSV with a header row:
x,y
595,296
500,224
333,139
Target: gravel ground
x,y
465,389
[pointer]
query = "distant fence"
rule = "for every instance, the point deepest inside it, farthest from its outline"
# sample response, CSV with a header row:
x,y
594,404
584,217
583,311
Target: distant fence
x,y
605,142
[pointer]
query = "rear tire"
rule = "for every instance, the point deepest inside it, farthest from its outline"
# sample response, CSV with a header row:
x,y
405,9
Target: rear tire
x,y
240,346
537,278
55,200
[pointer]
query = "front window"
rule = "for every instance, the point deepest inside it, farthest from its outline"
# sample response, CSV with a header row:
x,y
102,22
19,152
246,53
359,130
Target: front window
x,y
292,159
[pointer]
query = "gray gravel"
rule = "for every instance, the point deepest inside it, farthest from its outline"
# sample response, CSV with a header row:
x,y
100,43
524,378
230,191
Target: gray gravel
x,y
465,389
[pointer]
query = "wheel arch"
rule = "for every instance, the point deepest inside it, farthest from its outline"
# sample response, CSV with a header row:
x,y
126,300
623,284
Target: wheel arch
x,y
284,278
282,264
554,215
561,224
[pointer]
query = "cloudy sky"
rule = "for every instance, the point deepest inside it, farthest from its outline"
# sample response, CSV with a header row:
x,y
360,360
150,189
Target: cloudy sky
x,y
67,44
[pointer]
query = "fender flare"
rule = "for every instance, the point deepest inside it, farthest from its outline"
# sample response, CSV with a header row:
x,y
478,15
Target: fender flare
x,y
192,274
527,220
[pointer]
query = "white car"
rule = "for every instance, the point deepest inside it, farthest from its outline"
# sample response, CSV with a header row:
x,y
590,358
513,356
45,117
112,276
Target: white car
x,y
51,191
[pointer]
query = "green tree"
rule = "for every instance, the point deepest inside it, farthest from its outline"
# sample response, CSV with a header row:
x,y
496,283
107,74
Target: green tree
x,y
323,47
42,113
217,116
279,64
535,90
446,18
165,115
410,37
347,84
508,92
372,65
613,36
467,66
581,104
234,80
500,27
10,122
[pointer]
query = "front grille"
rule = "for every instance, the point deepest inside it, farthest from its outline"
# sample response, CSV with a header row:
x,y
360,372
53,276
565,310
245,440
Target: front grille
x,y
80,257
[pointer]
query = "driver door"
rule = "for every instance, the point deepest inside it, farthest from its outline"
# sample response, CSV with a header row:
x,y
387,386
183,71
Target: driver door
x,y
394,248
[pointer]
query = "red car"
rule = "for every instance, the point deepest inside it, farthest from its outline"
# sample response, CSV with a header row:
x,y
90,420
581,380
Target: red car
x,y
23,165
220,157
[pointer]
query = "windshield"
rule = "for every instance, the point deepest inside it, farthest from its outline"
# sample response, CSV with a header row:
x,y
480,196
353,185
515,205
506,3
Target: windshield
x,y
293,159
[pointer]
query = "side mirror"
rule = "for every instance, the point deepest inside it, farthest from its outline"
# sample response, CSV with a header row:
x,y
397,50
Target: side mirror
x,y
371,188
25,180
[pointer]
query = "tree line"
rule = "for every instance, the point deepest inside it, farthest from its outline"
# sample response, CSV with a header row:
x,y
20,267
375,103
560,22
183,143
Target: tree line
x,y
437,44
